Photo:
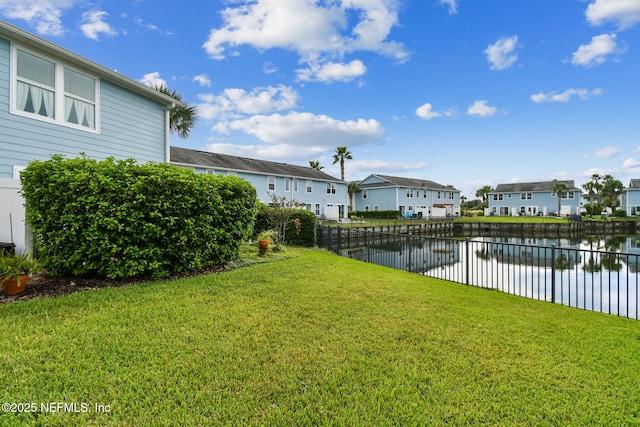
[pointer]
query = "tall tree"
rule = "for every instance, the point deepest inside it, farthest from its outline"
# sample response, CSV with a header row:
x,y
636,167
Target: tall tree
x,y
182,117
560,188
590,189
483,194
341,155
612,188
352,189
315,164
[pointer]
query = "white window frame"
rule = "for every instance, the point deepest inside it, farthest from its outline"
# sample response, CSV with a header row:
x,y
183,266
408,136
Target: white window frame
x,y
365,194
317,209
309,186
59,92
295,185
271,183
331,188
376,208
287,185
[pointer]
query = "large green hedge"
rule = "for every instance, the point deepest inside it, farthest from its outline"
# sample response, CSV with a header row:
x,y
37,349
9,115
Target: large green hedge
x,y
116,219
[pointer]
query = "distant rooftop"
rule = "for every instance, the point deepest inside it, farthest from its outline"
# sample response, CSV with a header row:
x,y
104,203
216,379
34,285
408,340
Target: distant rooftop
x,y
396,181
520,187
204,159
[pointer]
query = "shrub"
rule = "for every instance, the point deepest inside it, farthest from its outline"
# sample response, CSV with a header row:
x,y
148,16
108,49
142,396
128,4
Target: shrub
x,y
116,219
375,214
299,224
621,213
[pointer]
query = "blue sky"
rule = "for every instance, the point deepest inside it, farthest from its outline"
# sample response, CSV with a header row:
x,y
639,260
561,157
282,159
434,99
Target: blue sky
x,y
461,92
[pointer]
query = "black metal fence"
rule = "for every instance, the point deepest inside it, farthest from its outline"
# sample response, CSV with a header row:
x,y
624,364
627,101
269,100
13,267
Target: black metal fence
x,y
590,279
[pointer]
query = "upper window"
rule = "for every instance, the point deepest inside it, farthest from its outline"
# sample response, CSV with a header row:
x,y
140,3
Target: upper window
x,y
51,91
331,188
309,186
271,183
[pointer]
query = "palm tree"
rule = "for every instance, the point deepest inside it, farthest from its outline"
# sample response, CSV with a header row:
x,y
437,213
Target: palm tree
x,y
341,155
612,188
182,117
352,189
590,188
315,164
560,188
483,194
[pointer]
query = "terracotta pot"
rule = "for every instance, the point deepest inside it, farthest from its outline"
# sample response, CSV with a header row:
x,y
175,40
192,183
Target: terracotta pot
x,y
12,287
264,245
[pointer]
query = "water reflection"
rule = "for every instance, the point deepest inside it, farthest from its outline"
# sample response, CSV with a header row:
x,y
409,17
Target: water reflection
x,y
599,273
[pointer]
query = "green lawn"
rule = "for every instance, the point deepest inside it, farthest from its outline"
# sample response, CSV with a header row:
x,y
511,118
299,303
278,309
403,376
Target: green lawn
x,y
315,339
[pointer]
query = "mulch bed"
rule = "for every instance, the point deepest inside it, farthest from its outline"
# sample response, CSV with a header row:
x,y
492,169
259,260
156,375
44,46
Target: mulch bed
x,y
43,285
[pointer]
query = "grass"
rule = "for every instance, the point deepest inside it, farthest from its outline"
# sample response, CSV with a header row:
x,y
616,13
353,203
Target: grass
x,y
315,339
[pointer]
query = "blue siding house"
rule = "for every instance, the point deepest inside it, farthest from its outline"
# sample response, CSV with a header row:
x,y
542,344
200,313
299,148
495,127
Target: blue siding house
x,y
533,198
53,101
630,198
412,197
320,193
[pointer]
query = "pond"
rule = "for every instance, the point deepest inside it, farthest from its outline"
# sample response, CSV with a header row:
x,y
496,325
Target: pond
x,y
598,273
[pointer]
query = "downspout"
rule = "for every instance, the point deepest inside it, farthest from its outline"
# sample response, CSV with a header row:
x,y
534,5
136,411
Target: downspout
x,y
167,133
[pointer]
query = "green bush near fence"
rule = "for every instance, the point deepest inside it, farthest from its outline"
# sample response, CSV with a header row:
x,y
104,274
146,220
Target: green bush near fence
x,y
375,214
116,219
294,226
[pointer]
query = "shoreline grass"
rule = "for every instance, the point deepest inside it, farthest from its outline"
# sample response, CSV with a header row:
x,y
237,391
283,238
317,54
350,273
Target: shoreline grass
x,y
316,339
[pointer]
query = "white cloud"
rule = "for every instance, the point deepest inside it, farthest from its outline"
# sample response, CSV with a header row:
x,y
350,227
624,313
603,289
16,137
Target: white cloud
x,y
625,13
307,130
202,80
425,111
596,51
332,71
153,80
604,153
565,96
93,25
319,32
500,54
480,108
631,163
453,7
234,102
44,15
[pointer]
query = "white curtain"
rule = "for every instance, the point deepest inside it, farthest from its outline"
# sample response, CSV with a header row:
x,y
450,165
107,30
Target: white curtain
x,y
85,112
42,100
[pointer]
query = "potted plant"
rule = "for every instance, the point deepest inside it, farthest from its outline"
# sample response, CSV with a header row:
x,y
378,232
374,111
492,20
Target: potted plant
x,y
264,239
15,271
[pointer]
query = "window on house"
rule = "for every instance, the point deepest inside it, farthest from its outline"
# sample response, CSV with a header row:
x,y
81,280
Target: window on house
x,y
331,188
452,196
295,185
409,192
211,172
376,208
366,208
230,173
50,91
271,183
287,185
317,210
309,207
365,194
309,187
438,194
